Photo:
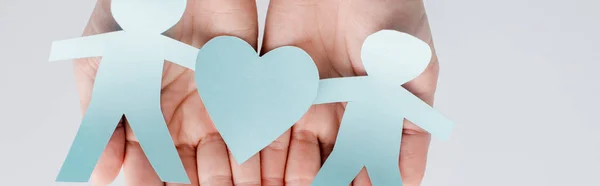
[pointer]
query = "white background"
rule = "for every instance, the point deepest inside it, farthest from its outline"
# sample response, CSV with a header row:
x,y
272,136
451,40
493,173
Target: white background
x,y
519,77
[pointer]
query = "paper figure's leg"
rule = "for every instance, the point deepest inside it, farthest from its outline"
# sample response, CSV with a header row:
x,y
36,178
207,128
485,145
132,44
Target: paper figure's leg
x,y
97,127
386,133
339,169
384,165
351,146
384,173
149,127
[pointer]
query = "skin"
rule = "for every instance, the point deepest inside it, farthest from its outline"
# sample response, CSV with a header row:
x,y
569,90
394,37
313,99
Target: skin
x,y
331,31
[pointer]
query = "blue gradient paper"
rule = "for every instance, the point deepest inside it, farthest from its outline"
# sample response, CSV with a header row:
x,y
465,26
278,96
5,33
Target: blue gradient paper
x,y
369,136
371,130
252,100
128,82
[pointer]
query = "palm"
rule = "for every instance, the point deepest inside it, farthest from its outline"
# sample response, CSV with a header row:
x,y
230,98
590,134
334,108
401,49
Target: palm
x,y
332,32
193,133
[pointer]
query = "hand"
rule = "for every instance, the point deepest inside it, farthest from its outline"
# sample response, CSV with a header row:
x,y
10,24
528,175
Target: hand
x,y
334,50
201,148
332,32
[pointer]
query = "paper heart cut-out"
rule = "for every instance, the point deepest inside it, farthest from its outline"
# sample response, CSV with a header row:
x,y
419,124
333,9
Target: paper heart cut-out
x,y
252,100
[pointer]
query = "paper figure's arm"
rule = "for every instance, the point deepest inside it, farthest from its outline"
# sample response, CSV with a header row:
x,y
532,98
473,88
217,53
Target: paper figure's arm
x,y
423,115
180,53
342,89
82,47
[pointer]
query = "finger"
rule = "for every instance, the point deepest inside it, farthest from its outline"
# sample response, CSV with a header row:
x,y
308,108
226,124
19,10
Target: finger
x,y
329,123
273,160
213,161
137,168
290,23
415,141
188,158
211,154
327,118
304,158
110,162
234,18
413,157
186,149
298,149
248,173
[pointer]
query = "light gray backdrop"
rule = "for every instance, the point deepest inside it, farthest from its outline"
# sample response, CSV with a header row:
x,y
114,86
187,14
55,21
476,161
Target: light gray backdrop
x,y
519,78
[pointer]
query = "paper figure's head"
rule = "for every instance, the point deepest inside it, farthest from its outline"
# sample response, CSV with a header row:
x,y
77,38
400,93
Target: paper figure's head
x,y
147,16
395,57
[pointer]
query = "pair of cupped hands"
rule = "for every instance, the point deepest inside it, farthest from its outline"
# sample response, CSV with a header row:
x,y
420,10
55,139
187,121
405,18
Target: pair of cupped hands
x,y
330,31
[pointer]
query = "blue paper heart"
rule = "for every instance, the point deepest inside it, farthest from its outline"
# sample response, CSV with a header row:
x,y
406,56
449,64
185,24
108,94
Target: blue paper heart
x,y
253,100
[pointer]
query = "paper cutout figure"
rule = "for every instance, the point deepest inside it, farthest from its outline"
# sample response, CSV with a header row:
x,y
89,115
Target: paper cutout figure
x,y
371,130
252,100
128,82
